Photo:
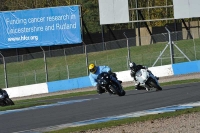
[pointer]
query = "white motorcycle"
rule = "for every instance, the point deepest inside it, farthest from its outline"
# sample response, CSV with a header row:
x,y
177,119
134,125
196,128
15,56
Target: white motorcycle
x,y
147,80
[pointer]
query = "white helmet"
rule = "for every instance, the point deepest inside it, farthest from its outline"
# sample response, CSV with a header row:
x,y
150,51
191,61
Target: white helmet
x,y
132,66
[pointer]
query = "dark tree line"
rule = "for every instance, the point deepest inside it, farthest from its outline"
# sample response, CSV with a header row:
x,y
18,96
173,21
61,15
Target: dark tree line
x,y
90,10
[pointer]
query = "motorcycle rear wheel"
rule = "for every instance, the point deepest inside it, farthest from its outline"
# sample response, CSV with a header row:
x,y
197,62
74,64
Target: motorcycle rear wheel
x,y
8,101
155,85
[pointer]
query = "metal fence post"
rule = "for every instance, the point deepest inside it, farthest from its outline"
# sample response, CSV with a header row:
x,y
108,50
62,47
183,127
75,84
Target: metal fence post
x,y
170,46
35,75
161,59
5,71
24,74
102,31
195,52
128,49
45,63
67,71
66,64
86,58
127,65
87,63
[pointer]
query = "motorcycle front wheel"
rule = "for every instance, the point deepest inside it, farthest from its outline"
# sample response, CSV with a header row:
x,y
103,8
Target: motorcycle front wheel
x,y
114,87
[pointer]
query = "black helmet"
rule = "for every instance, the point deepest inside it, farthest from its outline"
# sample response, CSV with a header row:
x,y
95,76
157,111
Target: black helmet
x,y
132,66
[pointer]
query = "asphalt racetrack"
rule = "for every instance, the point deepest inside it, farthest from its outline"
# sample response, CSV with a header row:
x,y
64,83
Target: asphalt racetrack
x,y
82,108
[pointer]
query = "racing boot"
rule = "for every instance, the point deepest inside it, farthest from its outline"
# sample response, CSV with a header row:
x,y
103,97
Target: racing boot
x,y
147,89
100,90
136,86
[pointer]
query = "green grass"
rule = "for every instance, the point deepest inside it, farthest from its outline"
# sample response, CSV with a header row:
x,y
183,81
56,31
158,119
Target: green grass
x,y
73,66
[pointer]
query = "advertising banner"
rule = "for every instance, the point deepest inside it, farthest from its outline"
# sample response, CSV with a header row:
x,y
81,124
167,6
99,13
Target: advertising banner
x,y
40,27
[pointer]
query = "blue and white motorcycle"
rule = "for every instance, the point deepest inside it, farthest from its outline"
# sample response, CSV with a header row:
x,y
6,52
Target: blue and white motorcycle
x,y
147,80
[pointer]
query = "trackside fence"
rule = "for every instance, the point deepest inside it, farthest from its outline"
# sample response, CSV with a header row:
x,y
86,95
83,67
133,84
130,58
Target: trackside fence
x,y
72,62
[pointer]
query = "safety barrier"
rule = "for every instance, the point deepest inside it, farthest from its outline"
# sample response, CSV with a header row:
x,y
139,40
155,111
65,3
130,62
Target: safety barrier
x,y
186,67
83,82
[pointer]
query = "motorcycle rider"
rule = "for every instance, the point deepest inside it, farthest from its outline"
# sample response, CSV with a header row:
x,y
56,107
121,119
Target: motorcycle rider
x,y
95,71
134,68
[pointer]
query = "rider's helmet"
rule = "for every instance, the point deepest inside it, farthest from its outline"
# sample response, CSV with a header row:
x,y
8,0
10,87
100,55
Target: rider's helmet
x,y
92,68
132,66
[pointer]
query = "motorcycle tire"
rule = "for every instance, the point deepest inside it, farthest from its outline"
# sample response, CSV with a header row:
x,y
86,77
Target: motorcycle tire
x,y
155,85
123,93
8,101
114,87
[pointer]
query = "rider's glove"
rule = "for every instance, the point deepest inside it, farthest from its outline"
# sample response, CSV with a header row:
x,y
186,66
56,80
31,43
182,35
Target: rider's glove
x,y
109,72
132,74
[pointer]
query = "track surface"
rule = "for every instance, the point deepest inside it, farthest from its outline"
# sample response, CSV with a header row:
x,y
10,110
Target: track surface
x,y
97,106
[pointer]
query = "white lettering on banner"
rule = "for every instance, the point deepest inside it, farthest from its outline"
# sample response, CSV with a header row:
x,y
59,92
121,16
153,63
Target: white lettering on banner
x,y
58,18
23,38
65,26
58,26
18,28
24,30
73,16
16,21
50,27
36,20
40,27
